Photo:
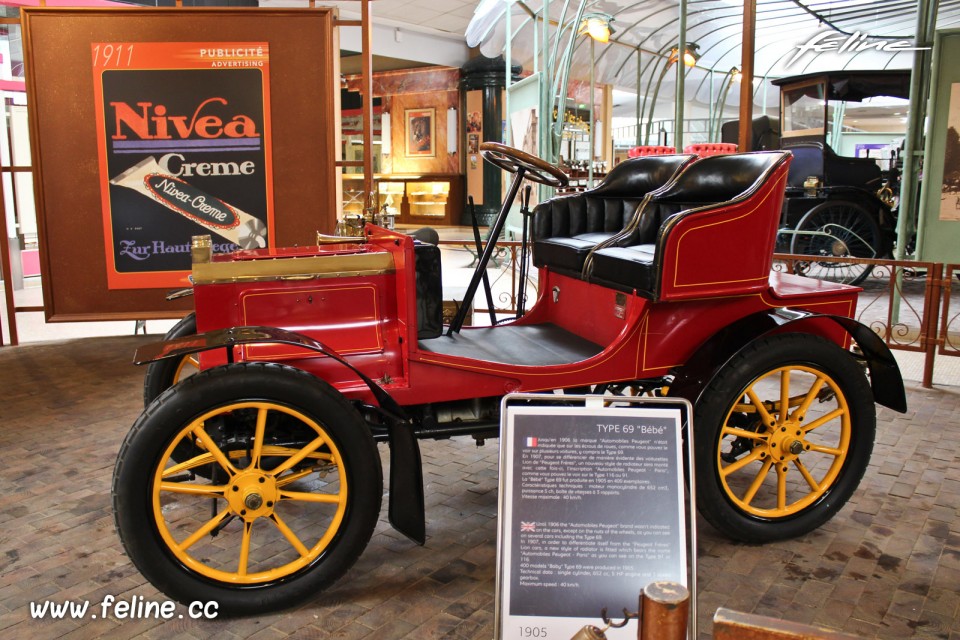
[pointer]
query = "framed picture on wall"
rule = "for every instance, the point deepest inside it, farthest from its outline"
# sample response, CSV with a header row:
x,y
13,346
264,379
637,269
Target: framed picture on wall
x,y
420,132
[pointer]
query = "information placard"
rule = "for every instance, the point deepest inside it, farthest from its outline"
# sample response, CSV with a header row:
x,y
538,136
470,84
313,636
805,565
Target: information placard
x,y
592,507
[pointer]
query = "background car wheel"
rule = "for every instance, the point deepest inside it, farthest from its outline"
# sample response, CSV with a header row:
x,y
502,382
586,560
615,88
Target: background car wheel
x,y
784,434
840,229
289,499
163,374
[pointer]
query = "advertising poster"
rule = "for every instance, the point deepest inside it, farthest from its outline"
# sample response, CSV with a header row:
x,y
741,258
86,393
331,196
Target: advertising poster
x,y
184,149
592,511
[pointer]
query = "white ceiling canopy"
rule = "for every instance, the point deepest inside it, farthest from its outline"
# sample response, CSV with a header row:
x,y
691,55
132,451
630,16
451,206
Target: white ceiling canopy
x,y
792,37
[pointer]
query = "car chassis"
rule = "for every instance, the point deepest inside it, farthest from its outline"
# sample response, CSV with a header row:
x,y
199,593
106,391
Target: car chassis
x,y
257,481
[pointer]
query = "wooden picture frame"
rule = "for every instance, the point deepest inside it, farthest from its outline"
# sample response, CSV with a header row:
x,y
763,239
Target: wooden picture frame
x,y
59,47
420,132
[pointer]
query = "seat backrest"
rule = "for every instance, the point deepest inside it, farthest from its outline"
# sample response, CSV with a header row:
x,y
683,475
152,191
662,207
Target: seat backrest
x,y
719,179
850,172
609,206
807,162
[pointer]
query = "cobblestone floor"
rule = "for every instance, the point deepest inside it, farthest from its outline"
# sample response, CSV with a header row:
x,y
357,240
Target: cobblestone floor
x,y
888,566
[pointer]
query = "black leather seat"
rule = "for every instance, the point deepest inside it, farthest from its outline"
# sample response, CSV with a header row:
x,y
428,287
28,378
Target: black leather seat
x,y
567,228
706,185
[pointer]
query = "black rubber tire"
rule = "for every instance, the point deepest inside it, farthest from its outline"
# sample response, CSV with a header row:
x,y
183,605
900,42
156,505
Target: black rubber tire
x,y
728,388
160,374
143,449
851,226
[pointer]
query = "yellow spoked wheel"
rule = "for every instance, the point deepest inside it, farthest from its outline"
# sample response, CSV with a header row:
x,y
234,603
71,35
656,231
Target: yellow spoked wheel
x,y
779,453
255,485
783,435
261,495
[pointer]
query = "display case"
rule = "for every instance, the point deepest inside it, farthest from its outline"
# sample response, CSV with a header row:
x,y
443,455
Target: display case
x,y
427,199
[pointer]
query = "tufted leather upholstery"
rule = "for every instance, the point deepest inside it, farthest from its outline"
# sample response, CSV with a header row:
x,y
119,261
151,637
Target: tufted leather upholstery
x,y
707,149
566,228
650,150
705,186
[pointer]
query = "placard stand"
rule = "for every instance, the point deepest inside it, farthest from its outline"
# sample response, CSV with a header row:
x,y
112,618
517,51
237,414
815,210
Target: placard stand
x,y
591,510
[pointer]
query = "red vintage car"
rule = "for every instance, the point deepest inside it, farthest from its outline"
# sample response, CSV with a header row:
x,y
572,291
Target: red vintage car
x,y
257,482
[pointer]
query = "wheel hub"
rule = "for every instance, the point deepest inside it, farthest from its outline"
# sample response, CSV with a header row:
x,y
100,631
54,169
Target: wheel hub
x,y
252,494
786,443
839,248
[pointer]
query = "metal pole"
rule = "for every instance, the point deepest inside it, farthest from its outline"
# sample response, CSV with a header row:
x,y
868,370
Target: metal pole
x,y
639,113
681,71
593,121
711,112
366,47
508,134
912,148
913,144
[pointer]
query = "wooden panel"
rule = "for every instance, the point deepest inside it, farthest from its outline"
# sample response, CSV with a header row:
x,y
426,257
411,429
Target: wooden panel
x,y
64,137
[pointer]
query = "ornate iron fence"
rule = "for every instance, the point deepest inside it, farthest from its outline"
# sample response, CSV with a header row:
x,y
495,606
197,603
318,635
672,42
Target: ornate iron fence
x,y
907,303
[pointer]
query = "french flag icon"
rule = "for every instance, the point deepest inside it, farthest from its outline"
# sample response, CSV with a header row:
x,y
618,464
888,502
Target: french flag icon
x,y
531,442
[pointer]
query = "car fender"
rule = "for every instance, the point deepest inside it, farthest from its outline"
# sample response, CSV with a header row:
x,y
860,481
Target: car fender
x,y
692,378
406,510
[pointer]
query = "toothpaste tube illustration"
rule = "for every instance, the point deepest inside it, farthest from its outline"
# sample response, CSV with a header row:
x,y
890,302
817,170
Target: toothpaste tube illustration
x,y
147,178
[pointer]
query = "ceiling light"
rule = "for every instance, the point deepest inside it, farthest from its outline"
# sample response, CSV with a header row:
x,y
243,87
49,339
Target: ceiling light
x,y
597,26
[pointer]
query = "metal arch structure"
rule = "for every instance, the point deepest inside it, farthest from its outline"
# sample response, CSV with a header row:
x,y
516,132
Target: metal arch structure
x,y
646,29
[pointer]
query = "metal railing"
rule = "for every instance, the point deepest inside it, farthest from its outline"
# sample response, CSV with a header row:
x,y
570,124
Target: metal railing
x,y
907,303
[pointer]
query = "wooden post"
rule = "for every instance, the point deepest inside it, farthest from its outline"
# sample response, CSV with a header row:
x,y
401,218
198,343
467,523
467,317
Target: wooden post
x,y
366,30
665,608
746,70
734,625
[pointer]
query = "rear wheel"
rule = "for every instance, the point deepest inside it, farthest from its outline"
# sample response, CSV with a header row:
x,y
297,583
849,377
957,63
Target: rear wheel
x,y
837,229
784,434
278,498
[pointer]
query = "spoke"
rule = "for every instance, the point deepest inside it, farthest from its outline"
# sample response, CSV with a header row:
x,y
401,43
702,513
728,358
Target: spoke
x,y
801,411
781,487
325,498
214,450
210,490
293,477
300,455
757,481
245,548
289,535
806,475
822,420
186,465
204,530
828,450
742,433
193,361
784,395
753,456
761,408
258,438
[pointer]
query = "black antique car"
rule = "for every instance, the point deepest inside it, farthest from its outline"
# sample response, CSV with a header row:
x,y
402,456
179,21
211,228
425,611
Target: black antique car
x,y
840,205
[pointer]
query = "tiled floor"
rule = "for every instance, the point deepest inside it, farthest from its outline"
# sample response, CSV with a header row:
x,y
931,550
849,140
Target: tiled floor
x,y
888,566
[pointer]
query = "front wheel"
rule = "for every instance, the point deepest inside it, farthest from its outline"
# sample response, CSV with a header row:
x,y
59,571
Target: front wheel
x,y
163,374
278,498
784,434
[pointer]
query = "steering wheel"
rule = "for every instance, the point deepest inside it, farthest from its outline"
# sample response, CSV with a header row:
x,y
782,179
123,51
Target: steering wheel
x,y
512,160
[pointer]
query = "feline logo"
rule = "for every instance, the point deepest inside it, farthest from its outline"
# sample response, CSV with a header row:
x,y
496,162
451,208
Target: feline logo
x,y
149,121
